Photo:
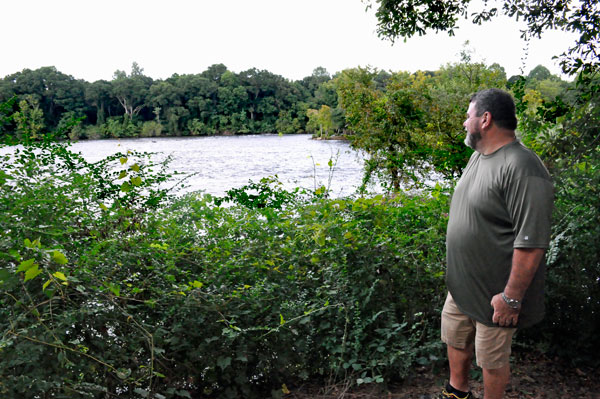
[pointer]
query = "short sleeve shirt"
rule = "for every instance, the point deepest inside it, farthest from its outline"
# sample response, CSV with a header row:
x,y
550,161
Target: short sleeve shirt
x,y
503,201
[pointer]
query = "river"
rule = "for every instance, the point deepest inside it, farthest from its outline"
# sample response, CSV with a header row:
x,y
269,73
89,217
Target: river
x,y
218,163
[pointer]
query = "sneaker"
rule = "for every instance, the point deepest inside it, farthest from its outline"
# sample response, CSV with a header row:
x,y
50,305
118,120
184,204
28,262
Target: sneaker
x,y
447,395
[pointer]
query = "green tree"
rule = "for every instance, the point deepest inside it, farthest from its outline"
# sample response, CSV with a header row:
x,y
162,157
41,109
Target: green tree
x,y
538,73
320,121
405,18
385,123
98,95
450,89
131,90
317,91
413,124
29,119
54,92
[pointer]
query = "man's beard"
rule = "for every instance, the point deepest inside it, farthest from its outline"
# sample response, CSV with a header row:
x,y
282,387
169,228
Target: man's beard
x,y
472,139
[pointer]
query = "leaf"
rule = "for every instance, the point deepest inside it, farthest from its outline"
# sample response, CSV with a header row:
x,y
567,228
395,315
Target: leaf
x,y
115,289
123,174
142,392
59,258
25,265
285,389
32,272
197,284
281,319
319,238
223,362
27,243
103,207
123,373
5,275
60,276
136,181
183,394
123,160
46,284
135,167
125,187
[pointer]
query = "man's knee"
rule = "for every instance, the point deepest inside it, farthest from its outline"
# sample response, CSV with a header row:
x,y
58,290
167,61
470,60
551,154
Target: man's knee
x,y
493,346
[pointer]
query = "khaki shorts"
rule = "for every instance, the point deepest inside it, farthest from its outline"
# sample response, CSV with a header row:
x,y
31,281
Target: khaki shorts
x,y
492,344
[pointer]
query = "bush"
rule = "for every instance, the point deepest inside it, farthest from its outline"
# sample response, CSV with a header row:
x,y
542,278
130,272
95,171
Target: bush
x,y
93,132
107,293
117,127
565,135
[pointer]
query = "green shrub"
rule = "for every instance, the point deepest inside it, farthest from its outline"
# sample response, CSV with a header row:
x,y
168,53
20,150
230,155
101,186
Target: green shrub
x,y
107,293
93,132
151,129
566,137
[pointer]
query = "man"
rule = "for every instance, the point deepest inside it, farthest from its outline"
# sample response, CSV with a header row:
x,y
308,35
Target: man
x,y
498,230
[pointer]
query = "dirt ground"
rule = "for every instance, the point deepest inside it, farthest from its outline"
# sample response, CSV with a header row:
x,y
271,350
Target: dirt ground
x,y
533,377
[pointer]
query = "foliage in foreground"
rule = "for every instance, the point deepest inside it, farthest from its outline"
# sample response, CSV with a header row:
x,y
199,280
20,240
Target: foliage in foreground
x,y
107,297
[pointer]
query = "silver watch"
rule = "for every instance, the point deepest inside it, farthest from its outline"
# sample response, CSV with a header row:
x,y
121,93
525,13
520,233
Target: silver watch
x,y
513,303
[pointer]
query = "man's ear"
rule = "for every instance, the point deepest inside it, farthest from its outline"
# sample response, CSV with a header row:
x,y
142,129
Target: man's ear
x,y
486,120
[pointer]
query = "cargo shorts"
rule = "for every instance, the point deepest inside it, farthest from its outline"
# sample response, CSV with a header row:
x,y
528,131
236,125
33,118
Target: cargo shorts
x,y
492,344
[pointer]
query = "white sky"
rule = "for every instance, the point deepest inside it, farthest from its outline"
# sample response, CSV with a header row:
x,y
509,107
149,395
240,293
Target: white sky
x,y
90,39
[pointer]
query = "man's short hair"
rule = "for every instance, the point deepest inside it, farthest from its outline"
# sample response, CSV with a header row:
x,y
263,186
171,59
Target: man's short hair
x,y
498,103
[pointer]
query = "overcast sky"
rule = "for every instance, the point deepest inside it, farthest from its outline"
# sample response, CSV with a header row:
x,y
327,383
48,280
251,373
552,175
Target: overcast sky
x,y
90,39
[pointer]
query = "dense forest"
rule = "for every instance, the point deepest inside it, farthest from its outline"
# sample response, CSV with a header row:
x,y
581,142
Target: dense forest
x,y
113,287
215,101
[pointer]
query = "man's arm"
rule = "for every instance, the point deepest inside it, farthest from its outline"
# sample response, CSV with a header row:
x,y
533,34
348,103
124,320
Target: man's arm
x,y
525,263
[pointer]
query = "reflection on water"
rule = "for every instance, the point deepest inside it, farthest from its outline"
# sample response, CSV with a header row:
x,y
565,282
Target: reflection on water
x,y
223,162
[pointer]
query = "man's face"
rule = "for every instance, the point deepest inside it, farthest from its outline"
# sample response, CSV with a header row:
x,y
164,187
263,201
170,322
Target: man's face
x,y
471,124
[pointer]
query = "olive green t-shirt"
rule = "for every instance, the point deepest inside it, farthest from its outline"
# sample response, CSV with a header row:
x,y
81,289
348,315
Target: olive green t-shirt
x,y
502,201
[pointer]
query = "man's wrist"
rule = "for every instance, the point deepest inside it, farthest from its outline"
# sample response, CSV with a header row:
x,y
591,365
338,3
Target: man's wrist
x,y
512,303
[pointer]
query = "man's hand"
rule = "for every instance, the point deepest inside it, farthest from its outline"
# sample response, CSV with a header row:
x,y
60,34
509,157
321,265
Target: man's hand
x,y
504,315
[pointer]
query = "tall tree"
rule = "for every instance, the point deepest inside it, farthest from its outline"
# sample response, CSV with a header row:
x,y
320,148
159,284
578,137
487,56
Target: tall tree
x,y
413,123
540,72
320,120
98,95
54,91
450,89
131,90
385,123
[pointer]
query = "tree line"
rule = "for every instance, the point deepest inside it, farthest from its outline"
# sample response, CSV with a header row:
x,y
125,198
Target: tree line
x,y
216,101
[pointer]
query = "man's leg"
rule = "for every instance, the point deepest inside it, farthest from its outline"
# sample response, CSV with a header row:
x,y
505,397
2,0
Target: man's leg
x,y
458,333
460,365
493,347
495,382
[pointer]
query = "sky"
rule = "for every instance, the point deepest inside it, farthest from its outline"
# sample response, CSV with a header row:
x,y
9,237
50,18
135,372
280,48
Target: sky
x,y
91,39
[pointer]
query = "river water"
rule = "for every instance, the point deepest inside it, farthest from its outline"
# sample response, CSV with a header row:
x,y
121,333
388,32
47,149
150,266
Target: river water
x,y
219,163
